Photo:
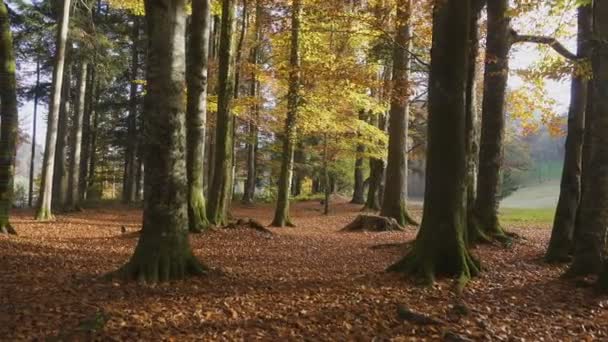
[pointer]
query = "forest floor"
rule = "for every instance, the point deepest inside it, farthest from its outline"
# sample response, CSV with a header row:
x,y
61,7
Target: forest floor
x,y
306,283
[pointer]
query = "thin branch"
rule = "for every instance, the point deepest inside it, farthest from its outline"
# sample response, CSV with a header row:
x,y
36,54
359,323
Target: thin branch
x,y
552,42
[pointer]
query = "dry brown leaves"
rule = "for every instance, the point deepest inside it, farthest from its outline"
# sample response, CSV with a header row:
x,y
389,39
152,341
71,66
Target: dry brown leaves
x,y
307,282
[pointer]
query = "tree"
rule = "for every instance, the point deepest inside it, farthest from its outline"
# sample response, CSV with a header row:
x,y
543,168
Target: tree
x,y
61,172
196,115
561,243
46,189
30,196
359,185
221,186
590,243
440,247
394,203
129,194
9,124
281,216
163,252
79,108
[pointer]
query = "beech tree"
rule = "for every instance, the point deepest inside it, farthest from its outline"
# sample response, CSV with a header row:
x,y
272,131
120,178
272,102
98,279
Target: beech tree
x,y
440,247
79,108
9,124
163,252
129,193
281,215
196,115
46,188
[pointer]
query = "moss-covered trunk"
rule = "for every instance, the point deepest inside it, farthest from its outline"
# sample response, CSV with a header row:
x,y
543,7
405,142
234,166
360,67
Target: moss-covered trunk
x,y
590,245
76,140
440,247
9,120
61,174
129,194
196,116
221,187
484,226
376,171
394,203
281,215
46,188
163,252
561,243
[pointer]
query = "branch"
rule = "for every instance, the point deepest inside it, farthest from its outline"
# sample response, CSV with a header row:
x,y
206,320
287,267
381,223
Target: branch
x,y
552,42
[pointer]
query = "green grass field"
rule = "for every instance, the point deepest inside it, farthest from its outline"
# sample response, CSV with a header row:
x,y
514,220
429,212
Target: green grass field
x,y
514,216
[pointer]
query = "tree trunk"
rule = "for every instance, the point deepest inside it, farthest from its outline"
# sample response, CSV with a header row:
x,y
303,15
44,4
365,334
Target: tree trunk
x,y
485,226
9,118
445,210
394,203
30,196
74,194
252,143
60,175
86,133
221,187
472,119
561,243
590,245
196,115
46,188
326,175
281,216
359,184
90,181
163,252
376,172
129,194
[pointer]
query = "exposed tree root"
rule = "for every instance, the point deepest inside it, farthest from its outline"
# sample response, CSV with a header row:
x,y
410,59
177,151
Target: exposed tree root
x,y
373,223
7,229
44,215
158,269
424,265
401,245
282,224
478,233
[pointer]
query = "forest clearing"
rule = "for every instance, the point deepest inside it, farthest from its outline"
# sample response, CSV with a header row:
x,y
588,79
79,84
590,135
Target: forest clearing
x,y
312,283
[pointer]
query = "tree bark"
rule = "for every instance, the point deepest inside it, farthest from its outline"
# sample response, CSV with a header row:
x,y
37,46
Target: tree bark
x,y
9,118
129,194
86,133
93,131
46,189
326,179
561,243
440,247
484,225
74,194
394,204
359,183
376,172
281,216
221,187
196,115
60,174
163,252
590,245
30,197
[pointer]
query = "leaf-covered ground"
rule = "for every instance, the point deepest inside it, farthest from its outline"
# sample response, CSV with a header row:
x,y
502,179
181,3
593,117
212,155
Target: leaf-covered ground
x,y
310,282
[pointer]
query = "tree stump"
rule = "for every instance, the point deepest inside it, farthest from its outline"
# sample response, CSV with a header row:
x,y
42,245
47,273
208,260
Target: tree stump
x,y
373,223
249,224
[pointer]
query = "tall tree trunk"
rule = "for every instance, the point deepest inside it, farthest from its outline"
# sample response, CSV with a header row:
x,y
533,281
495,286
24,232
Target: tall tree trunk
x,y
9,118
252,141
326,175
221,189
90,181
359,184
46,189
60,175
129,194
445,210
196,116
30,196
163,252
472,119
86,133
394,204
79,108
484,226
590,244
281,216
561,243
